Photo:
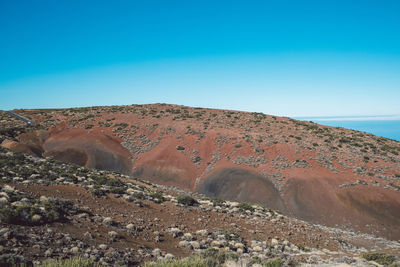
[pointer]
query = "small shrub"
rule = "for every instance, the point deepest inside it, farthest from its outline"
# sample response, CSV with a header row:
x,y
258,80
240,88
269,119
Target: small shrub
x,y
255,260
379,257
259,150
103,180
158,195
274,263
194,261
55,210
217,201
14,260
186,200
139,195
344,140
121,125
220,257
97,191
238,145
72,262
231,235
303,248
245,206
196,159
117,190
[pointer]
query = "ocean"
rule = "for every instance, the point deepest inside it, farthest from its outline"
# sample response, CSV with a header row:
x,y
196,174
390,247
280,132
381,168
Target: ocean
x,y
385,128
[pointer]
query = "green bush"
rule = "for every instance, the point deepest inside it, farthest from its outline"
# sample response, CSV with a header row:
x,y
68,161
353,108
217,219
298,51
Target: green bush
x,y
218,256
117,190
14,260
379,257
255,260
116,186
217,201
194,261
97,191
55,210
273,263
139,195
103,180
231,235
186,200
121,125
245,206
158,196
72,262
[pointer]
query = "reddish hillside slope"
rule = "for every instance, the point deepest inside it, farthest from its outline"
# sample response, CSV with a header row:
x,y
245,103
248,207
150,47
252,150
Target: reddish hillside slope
x,y
327,175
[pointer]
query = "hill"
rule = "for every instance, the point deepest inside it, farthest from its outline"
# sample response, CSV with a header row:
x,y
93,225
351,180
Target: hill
x,y
324,175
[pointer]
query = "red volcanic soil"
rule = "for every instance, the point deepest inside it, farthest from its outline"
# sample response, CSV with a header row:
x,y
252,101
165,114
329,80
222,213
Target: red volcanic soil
x,y
168,167
327,175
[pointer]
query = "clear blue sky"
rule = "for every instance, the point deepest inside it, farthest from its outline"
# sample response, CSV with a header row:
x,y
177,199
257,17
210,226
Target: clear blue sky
x,y
293,58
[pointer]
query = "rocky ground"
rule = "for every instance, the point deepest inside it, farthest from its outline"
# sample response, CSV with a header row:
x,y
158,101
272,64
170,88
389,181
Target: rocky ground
x,y
297,167
51,209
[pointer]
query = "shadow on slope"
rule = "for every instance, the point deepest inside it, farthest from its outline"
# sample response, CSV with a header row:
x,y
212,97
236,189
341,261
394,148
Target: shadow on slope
x,y
93,150
242,185
363,208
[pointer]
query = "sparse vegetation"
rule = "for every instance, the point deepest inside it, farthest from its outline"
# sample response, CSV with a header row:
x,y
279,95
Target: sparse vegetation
x,y
37,212
219,257
217,201
121,125
274,263
245,206
255,132
381,258
72,262
186,200
158,196
14,260
231,235
194,261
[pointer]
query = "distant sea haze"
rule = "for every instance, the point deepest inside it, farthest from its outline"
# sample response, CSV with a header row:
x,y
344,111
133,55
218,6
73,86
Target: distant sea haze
x,y
385,126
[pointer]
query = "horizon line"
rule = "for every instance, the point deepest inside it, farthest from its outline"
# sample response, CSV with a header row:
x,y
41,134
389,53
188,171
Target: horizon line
x,y
392,117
